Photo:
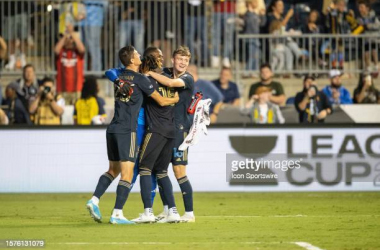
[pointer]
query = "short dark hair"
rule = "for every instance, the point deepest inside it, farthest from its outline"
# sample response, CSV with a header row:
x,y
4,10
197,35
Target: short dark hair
x,y
307,77
126,55
47,79
25,68
265,65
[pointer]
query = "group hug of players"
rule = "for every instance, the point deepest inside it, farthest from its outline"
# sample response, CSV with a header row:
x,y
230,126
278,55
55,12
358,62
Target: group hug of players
x,y
149,125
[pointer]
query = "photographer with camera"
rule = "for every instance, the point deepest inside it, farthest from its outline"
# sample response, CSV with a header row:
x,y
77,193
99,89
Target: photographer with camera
x,y
47,107
312,105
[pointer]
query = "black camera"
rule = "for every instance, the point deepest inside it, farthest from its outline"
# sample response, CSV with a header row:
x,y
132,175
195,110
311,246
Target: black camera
x,y
47,90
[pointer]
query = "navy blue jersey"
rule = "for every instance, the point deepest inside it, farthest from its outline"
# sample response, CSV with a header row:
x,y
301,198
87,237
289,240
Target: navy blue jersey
x,y
182,118
127,108
160,119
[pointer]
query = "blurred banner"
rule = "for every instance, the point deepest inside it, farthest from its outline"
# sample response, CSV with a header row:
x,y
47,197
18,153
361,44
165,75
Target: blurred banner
x,y
71,160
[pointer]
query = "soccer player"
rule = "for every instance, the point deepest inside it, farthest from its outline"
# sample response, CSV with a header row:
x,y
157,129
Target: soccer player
x,y
183,82
113,76
121,134
159,141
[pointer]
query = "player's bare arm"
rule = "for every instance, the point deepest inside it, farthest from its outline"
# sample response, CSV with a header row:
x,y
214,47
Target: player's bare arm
x,y
172,83
165,101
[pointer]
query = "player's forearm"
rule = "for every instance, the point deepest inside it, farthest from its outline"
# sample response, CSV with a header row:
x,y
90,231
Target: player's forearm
x,y
166,81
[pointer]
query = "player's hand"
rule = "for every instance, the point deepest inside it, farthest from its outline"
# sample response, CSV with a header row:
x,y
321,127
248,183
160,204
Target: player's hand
x,y
125,88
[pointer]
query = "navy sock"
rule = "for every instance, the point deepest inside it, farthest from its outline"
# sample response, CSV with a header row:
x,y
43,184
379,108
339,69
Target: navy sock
x,y
146,187
104,182
122,193
164,202
167,188
187,193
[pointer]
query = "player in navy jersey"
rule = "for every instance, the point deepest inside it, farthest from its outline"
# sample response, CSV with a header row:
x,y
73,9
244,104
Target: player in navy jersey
x,y
155,154
183,82
121,134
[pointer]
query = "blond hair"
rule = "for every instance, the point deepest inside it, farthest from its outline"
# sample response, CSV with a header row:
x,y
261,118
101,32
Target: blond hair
x,y
182,51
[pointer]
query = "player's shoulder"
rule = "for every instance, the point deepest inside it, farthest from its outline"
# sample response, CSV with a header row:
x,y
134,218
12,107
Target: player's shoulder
x,y
168,71
187,75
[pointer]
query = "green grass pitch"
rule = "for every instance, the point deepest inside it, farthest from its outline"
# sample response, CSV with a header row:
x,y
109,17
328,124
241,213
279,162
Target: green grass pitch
x,y
339,220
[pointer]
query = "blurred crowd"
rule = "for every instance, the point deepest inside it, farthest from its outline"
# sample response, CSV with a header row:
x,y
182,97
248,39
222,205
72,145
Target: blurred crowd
x,y
209,28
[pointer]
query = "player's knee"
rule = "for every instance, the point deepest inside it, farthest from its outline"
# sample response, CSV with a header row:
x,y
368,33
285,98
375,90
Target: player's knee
x,y
179,171
144,171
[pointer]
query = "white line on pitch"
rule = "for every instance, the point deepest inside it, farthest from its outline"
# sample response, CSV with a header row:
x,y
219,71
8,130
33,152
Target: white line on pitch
x,y
167,243
307,246
287,216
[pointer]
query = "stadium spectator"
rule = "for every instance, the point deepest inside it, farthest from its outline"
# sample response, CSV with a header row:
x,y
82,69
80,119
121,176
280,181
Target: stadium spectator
x,y
91,31
70,56
3,118
208,90
89,109
311,104
368,19
254,18
70,13
276,12
228,88
17,112
48,107
261,110
223,31
3,51
15,30
132,24
366,92
282,56
340,21
278,96
336,93
29,83
195,28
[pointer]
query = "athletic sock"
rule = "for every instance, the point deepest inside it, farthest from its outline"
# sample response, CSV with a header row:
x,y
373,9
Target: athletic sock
x,y
146,187
187,193
166,209
189,214
164,202
117,213
104,182
167,188
95,200
122,193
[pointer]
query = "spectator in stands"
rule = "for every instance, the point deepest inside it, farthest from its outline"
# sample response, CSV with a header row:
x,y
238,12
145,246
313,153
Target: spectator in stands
x,y
132,24
29,83
196,29
70,56
91,31
3,118
262,110
312,105
208,90
17,112
48,107
15,27
3,51
277,91
366,92
340,21
89,109
276,11
228,88
336,93
254,18
223,31
282,56
368,19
